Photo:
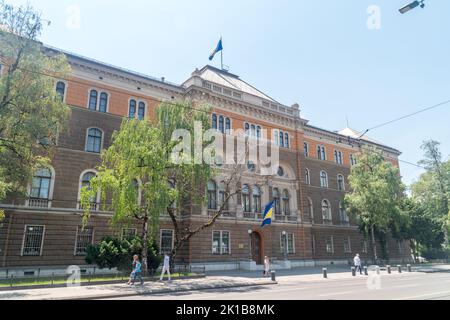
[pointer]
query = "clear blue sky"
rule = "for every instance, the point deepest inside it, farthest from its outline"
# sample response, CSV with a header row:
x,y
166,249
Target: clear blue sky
x,y
319,53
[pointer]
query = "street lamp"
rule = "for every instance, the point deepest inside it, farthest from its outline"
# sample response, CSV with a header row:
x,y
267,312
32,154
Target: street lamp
x,y
285,245
412,5
250,232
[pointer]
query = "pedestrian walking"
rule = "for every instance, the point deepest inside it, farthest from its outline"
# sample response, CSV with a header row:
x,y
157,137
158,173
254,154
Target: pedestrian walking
x,y
266,266
137,271
166,267
357,263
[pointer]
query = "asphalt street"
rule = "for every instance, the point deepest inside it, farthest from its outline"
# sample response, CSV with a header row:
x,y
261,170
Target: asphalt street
x,y
405,286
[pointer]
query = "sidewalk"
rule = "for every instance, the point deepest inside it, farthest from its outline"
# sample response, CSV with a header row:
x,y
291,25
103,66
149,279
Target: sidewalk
x,y
433,268
123,290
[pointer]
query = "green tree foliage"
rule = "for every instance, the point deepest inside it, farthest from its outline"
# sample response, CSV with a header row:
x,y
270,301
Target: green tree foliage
x,y
376,194
432,190
117,253
31,112
133,177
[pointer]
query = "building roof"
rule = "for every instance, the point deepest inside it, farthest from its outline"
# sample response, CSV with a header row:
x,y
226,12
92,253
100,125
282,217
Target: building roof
x,y
232,81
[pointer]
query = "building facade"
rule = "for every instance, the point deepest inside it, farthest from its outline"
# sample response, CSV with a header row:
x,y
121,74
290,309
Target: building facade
x,y
310,226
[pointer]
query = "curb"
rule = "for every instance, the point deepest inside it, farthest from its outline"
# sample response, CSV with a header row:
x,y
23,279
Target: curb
x,y
148,293
433,270
85,284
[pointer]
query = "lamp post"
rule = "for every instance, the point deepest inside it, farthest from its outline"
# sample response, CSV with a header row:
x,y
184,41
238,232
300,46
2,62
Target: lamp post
x,y
412,5
250,232
285,245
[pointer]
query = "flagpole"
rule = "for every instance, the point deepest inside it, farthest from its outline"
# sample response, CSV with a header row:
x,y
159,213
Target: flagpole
x,y
221,59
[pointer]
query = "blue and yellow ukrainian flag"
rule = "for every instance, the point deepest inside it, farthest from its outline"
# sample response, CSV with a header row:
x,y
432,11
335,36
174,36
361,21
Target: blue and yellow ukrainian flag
x,y
268,213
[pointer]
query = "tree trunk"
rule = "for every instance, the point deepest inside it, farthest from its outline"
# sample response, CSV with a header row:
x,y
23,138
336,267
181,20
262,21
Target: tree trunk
x,y
145,245
374,244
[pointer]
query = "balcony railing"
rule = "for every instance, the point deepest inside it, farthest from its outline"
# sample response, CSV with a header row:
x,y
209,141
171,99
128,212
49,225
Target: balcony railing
x,y
94,206
285,218
225,214
38,202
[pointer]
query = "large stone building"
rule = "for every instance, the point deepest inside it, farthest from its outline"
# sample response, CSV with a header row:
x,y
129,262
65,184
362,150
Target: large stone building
x,y
45,229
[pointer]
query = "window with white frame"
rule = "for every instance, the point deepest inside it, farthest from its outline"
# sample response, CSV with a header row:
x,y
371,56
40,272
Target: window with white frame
x,y
347,245
352,160
98,102
221,123
306,149
246,199
221,242
212,195
256,193
321,153
340,182
276,199
323,179
281,139
326,212
253,130
85,181
344,218
84,237
289,237
129,233
338,157
307,177
286,202
166,240
329,244
141,110
132,109
33,240
40,188
94,140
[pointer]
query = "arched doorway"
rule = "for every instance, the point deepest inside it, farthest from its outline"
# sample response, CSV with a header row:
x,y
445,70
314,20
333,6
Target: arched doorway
x,y
257,251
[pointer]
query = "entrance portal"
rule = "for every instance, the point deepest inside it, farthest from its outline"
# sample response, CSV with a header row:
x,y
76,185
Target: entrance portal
x,y
256,248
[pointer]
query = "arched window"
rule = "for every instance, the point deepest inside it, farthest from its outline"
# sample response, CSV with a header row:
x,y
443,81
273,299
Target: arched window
x,y
86,182
41,188
345,220
258,132
227,125
340,157
221,124
286,200
214,121
307,177
306,149
323,179
276,138
246,203
61,89
103,102
222,196
340,182
141,111
93,100
281,139
286,140
247,129
253,130
276,199
94,140
256,199
321,155
212,195
132,109
326,212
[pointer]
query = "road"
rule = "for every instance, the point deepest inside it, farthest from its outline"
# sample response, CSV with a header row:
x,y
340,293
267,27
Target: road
x,y
406,286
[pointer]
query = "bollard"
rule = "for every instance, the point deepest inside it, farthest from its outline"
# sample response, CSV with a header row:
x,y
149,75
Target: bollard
x,y
325,275
272,274
365,271
399,267
354,271
409,267
389,269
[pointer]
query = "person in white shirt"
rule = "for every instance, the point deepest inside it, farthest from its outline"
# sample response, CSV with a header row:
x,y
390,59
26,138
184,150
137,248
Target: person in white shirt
x,y
357,263
166,267
266,266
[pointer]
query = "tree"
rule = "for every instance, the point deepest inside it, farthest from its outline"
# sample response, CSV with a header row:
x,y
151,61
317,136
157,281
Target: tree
x,y
31,112
433,187
133,177
376,194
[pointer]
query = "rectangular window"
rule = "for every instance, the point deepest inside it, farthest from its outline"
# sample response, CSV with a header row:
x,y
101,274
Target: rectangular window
x,y
347,245
33,240
290,243
166,241
83,239
221,242
129,233
330,244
